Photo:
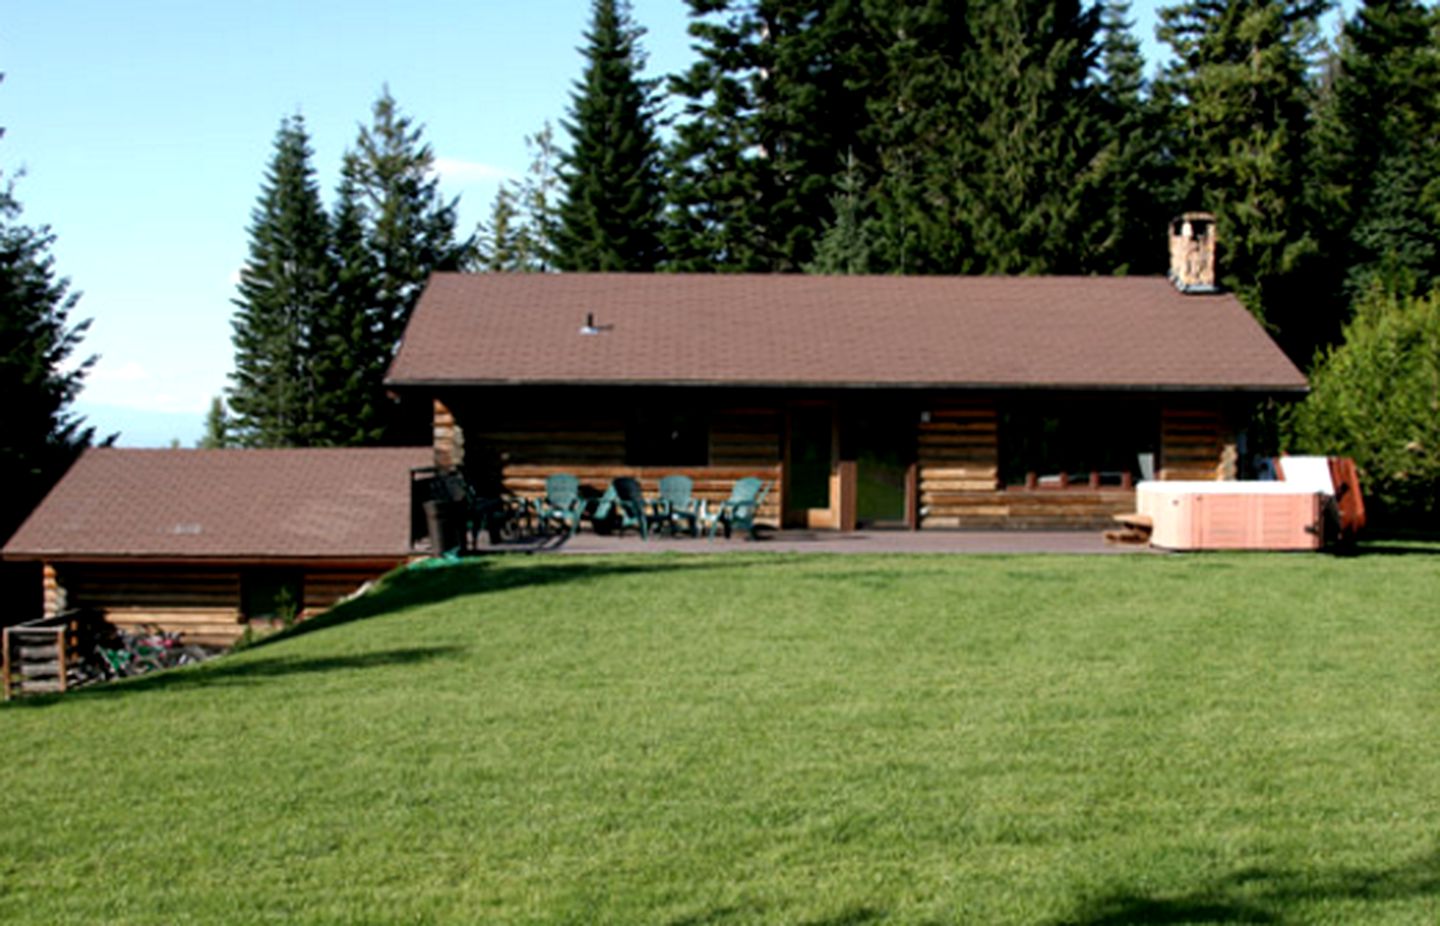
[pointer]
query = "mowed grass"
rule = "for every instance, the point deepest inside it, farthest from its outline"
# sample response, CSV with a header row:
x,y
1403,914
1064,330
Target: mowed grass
x,y
768,739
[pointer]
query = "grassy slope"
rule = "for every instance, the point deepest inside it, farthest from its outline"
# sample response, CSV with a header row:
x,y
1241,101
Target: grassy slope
x,y
776,739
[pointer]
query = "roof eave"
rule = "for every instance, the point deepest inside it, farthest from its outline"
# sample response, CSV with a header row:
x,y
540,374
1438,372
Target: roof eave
x,y
969,386
213,559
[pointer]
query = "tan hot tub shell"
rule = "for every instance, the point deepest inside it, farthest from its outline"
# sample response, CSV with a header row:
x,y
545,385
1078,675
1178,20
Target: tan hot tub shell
x,y
1231,515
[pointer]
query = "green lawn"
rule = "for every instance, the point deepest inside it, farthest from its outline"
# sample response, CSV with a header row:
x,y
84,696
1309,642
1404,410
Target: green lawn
x,y
768,739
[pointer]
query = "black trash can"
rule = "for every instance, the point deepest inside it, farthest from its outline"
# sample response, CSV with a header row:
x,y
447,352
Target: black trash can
x,y
446,523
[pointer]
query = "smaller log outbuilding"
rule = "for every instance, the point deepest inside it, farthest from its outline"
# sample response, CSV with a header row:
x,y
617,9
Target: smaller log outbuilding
x,y
202,541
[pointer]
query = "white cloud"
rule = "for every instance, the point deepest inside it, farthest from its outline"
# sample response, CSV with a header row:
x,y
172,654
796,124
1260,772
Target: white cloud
x,y
108,373
132,385
458,171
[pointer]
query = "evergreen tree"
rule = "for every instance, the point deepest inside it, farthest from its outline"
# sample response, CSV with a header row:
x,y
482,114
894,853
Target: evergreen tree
x,y
217,426
779,88
846,247
919,130
1238,87
409,227
520,235
1378,156
498,246
609,219
987,131
392,229
39,436
1126,206
715,218
287,281
1024,168
352,341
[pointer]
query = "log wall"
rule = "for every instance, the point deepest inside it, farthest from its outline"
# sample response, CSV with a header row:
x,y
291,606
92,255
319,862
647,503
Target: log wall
x,y
1196,443
448,438
202,602
957,466
743,442
53,591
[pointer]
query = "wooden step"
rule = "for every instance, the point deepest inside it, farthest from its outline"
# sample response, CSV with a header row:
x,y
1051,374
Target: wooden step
x,y
39,652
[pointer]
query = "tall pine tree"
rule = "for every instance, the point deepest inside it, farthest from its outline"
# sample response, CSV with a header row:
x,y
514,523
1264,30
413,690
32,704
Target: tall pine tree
x,y
778,92
287,282
39,436
352,337
1126,208
1239,89
609,218
409,226
393,228
520,234
1024,163
715,215
917,129
1377,151
987,135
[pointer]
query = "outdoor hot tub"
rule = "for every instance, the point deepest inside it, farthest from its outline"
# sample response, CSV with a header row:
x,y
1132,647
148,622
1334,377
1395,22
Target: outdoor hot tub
x,y
1232,515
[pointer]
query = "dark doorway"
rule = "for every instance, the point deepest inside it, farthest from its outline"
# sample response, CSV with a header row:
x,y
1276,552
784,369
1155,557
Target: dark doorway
x,y
882,444
811,459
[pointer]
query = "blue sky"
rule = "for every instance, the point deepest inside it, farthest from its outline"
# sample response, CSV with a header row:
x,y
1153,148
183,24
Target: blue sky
x,y
144,128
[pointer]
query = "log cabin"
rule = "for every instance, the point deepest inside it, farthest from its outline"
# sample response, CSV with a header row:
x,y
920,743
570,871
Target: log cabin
x,y
204,541
913,402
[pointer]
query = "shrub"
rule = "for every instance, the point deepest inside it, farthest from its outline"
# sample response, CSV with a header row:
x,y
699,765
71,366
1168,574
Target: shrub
x,y
1376,398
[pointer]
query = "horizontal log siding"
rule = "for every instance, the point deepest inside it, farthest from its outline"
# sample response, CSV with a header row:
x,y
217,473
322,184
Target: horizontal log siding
x,y
447,437
1038,509
743,442
958,463
958,453
1195,444
200,602
322,588
552,442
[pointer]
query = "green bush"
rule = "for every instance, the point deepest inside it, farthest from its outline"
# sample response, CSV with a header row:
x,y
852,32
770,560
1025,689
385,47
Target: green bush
x,y
1376,398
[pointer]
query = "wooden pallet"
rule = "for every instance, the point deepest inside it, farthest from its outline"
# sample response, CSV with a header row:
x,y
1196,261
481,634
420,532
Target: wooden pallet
x,y
1134,528
44,656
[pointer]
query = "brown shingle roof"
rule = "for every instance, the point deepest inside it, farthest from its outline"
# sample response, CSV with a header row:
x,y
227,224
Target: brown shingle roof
x,y
976,332
242,504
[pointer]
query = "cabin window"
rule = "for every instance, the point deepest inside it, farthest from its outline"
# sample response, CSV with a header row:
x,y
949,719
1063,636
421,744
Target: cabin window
x,y
1065,445
667,437
272,594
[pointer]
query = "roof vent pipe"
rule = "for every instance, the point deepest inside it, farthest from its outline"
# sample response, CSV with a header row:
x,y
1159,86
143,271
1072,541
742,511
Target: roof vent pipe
x,y
589,326
1192,252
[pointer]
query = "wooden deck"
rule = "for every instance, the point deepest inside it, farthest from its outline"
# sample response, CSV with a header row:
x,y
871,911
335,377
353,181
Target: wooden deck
x,y
805,541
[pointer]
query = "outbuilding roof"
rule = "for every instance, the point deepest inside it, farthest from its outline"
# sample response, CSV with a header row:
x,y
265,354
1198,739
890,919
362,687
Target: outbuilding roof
x,y
813,331
351,503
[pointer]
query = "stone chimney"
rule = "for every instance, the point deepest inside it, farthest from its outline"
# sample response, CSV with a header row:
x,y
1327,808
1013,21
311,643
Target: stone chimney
x,y
1192,253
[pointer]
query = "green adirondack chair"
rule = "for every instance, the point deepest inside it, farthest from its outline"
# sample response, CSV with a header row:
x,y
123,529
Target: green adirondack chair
x,y
677,505
739,510
623,505
562,504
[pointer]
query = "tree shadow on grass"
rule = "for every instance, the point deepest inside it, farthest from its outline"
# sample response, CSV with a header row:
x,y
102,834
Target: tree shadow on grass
x,y
853,916
227,673
439,581
1260,895
449,579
